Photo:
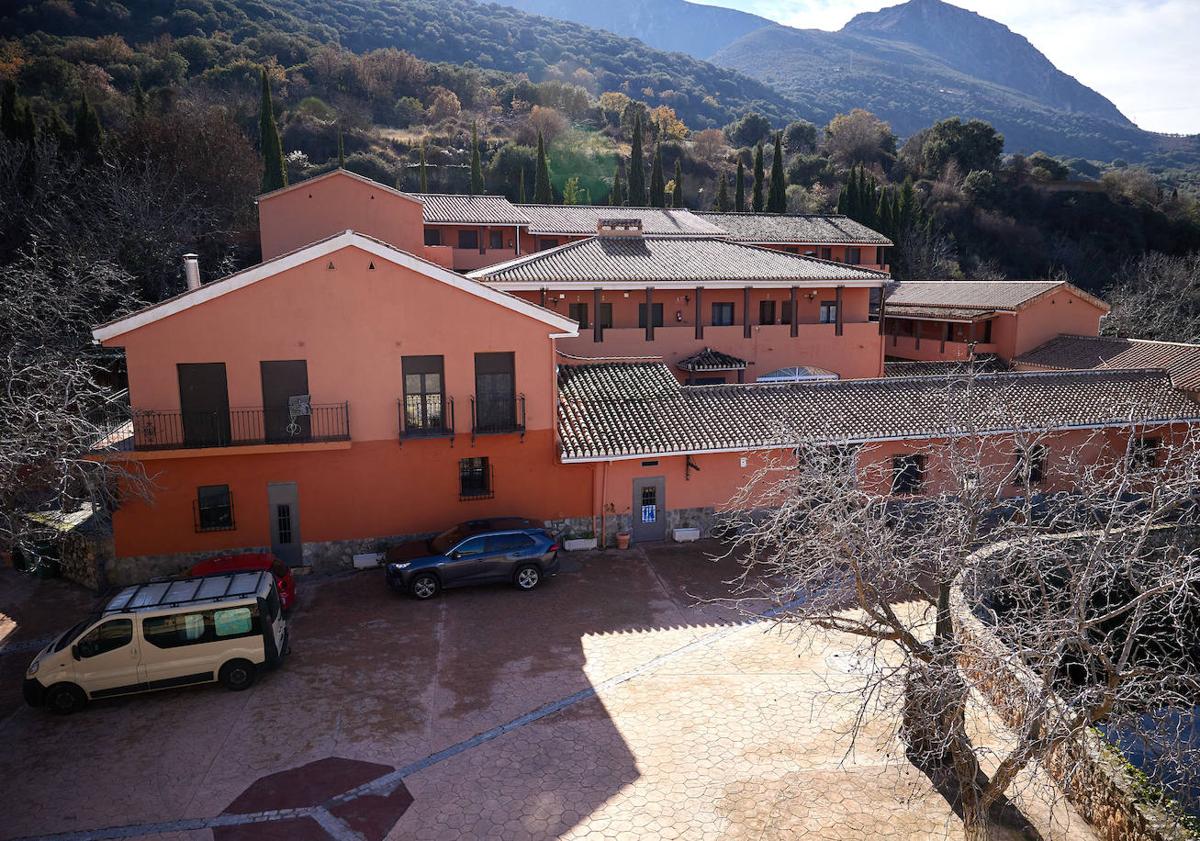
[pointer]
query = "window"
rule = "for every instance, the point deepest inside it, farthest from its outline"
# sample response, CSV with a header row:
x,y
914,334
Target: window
x,y
468,239
232,622
606,316
214,508
433,236
495,239
854,256
1031,463
658,315
503,544
176,630
829,312
766,312
579,312
826,253
908,474
1144,454
987,332
722,314
546,242
495,392
717,380
785,312
114,634
469,548
424,394
474,478
283,523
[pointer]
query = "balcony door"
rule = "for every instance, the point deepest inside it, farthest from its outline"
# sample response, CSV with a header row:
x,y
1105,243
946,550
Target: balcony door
x,y
495,392
281,382
424,395
204,404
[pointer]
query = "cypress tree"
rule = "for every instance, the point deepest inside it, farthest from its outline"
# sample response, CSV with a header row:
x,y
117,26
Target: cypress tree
x,y
88,134
777,196
139,99
883,213
722,202
658,196
677,193
423,174
759,177
521,185
740,191
542,194
615,197
341,149
57,128
476,166
637,167
8,110
274,170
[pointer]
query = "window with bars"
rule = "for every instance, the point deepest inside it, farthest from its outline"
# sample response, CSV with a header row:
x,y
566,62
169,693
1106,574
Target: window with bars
x,y
475,478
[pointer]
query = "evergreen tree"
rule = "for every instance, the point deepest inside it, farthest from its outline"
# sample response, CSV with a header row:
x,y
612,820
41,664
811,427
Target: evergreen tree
x,y
883,213
88,134
341,149
658,196
542,193
58,129
139,99
722,202
740,191
521,185
637,167
777,196
677,193
476,166
572,192
423,173
9,126
615,197
274,171
759,177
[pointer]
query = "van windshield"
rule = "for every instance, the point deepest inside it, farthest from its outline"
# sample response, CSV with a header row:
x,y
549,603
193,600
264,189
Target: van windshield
x,y
69,637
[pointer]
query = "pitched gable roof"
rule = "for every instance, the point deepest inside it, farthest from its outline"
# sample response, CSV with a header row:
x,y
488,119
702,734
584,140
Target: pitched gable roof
x,y
978,296
639,261
456,209
783,228
1181,361
337,173
321,248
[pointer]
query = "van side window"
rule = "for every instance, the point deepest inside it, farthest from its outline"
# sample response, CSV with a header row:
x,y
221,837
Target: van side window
x,y
233,622
110,636
175,630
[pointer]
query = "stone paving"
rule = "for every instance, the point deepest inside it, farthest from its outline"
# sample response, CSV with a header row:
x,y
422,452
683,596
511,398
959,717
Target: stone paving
x,y
653,717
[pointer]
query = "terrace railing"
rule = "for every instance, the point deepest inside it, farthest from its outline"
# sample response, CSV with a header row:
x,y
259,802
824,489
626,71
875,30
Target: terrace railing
x,y
154,430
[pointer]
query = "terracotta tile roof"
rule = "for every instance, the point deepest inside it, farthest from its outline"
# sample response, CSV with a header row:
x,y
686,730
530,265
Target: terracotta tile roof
x,y
658,259
984,362
470,210
617,410
1181,361
581,219
782,228
936,313
711,360
976,295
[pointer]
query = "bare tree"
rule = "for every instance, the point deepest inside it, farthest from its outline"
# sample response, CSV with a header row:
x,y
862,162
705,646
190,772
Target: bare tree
x,y
1158,297
872,541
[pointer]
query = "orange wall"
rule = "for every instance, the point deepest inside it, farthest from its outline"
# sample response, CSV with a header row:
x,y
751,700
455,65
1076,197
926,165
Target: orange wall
x,y
1064,312
311,211
870,256
469,259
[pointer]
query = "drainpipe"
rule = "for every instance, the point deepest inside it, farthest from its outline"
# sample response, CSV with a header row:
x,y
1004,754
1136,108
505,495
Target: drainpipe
x,y
603,499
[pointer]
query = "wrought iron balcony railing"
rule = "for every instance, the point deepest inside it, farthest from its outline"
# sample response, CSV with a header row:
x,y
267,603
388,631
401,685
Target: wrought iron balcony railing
x,y
154,430
425,416
493,415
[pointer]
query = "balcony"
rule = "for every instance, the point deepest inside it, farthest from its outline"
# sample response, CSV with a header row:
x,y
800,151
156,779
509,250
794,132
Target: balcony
x,y
928,349
496,415
425,416
154,430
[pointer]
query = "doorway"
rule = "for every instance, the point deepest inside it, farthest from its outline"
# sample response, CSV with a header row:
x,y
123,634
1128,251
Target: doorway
x,y
649,509
204,404
283,512
282,381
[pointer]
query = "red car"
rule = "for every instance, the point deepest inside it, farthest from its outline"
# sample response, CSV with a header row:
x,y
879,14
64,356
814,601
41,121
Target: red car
x,y
250,561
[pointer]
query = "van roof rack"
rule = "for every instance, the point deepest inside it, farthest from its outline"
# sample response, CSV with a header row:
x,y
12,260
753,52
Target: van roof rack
x,y
183,591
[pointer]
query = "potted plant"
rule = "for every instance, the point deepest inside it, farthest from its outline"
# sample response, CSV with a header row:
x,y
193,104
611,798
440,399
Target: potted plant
x,y
623,538
581,542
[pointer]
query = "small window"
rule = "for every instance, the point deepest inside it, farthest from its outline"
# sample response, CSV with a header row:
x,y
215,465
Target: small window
x,y
495,239
233,622
546,242
908,474
826,253
114,634
433,236
722,314
474,478
828,312
1031,464
579,312
506,543
854,256
785,312
176,630
766,312
214,508
658,315
468,239
1144,455
606,316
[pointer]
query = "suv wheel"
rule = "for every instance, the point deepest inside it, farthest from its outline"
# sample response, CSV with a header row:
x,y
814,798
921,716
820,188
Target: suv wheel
x,y
237,675
425,586
65,698
527,577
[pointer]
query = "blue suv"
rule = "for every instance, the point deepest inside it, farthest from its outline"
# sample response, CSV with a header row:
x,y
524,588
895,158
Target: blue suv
x,y
501,549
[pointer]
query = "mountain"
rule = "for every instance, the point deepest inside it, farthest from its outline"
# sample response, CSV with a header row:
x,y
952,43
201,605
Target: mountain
x,y
707,29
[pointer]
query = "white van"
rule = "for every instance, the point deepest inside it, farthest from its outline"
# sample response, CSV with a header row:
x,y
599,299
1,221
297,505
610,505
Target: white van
x,y
222,627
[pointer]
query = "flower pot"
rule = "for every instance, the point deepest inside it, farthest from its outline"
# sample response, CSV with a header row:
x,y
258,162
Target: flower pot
x,y
623,540
579,544
685,535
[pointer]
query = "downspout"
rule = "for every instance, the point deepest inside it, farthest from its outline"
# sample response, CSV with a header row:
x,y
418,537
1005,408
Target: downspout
x,y
603,502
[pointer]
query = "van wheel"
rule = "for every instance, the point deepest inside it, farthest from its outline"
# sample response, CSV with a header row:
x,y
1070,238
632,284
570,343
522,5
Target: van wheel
x,y
65,698
425,586
527,577
237,675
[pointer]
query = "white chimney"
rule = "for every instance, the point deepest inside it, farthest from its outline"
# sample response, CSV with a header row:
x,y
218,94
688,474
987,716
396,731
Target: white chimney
x,y
191,271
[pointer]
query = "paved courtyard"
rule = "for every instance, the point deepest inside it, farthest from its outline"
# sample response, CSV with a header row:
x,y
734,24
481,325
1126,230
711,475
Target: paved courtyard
x,y
609,704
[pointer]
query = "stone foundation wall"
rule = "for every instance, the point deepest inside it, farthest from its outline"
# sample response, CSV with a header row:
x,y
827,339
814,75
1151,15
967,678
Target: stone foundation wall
x,y
702,518
84,559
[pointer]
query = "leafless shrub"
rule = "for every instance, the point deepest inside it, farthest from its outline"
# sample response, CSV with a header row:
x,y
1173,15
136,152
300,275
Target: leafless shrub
x,y
1158,297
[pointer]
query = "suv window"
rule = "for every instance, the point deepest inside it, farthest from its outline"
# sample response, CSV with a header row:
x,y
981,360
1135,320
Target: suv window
x,y
508,543
474,546
110,636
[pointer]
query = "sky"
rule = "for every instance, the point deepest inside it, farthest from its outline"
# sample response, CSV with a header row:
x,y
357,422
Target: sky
x,y
1141,54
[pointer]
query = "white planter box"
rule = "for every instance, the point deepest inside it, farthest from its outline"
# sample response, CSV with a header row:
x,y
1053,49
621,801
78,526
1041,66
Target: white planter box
x,y
685,535
579,544
368,560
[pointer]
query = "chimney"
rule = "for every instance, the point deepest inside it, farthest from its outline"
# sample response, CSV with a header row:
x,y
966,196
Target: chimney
x,y
628,227
191,271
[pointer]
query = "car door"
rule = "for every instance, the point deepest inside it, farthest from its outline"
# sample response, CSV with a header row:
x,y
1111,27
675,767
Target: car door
x,y
108,659
463,562
502,554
